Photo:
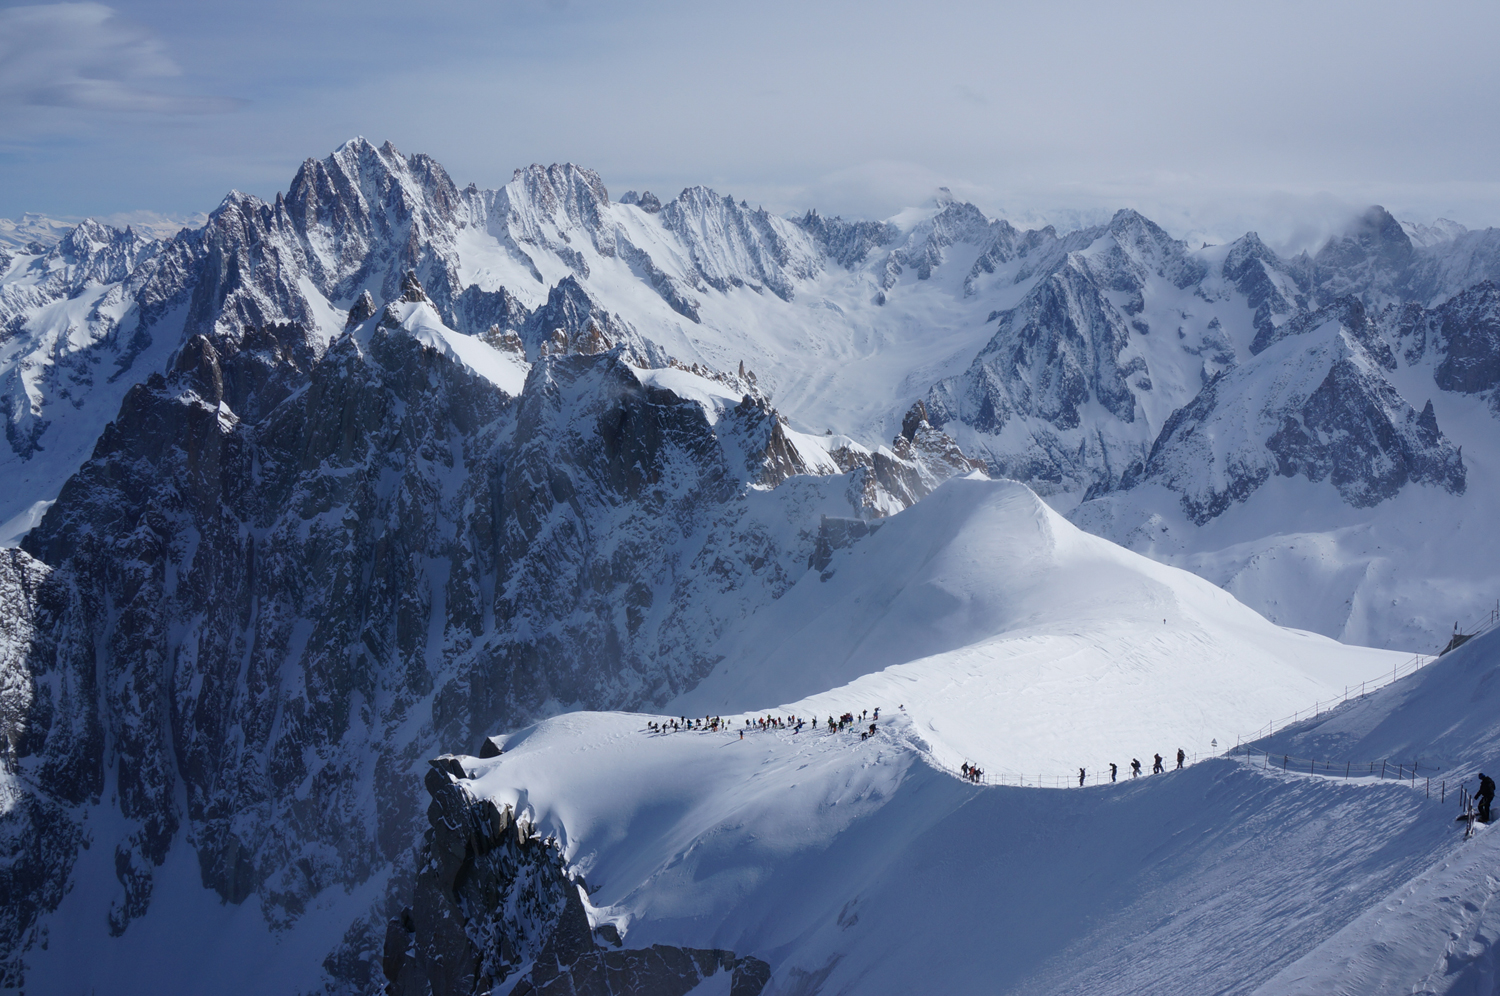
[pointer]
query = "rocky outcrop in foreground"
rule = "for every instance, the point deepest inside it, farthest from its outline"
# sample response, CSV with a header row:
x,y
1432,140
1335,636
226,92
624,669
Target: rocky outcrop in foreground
x,y
495,904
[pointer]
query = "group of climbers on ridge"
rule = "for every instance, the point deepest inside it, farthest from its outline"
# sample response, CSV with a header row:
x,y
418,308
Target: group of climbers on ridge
x,y
712,724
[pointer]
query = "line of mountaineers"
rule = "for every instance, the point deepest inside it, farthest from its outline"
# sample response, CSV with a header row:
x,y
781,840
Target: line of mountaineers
x,y
1481,800
714,724
970,772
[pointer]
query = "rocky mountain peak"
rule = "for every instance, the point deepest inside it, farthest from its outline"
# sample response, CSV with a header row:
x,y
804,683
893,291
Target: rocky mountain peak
x,y
411,287
1375,233
564,195
1142,248
646,201
731,245
1373,259
847,243
362,309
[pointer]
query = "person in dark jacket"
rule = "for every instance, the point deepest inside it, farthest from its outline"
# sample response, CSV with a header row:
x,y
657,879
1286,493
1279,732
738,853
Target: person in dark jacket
x,y
1080,778
1135,767
1156,768
1485,796
1113,770
1181,756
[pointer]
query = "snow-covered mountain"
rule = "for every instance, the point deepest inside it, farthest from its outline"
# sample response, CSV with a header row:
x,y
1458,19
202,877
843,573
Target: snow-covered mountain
x,y
848,863
341,481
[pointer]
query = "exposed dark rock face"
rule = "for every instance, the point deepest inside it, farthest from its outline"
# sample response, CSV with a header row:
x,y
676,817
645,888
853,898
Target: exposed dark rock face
x,y
1350,314
572,311
835,534
847,243
645,200
1373,260
362,308
920,458
51,747
924,248
1270,291
1052,356
1460,339
1065,395
311,538
750,248
493,900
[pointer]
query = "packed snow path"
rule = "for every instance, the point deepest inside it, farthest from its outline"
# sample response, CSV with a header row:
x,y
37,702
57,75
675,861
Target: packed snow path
x,y
851,864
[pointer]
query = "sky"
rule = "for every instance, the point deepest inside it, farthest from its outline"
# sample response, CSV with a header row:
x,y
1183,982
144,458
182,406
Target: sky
x,y
1212,119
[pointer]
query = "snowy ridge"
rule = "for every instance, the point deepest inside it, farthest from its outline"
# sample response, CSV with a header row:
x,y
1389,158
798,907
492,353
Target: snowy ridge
x,y
987,614
840,859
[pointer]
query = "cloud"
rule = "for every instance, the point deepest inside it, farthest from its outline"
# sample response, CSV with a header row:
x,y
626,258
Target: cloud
x,y
80,55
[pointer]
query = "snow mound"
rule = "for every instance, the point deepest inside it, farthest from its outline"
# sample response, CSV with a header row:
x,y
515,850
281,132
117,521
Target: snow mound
x,y
1021,643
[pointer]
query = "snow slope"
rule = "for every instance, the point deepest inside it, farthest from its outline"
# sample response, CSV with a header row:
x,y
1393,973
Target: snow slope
x,y
1436,934
1019,642
856,865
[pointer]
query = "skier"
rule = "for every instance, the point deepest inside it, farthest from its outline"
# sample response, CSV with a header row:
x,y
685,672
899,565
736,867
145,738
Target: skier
x,y
1156,768
1485,796
1181,756
1135,767
1080,778
1113,770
